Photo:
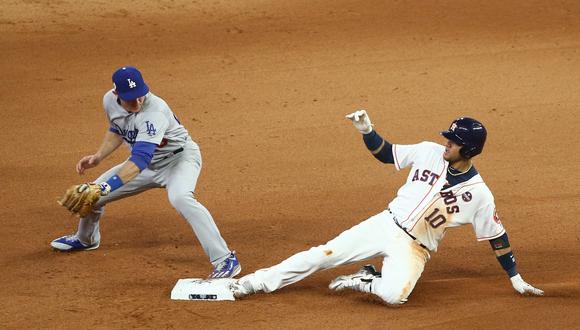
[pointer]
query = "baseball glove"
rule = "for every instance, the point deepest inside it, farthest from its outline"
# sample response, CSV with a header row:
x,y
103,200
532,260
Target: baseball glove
x,y
80,198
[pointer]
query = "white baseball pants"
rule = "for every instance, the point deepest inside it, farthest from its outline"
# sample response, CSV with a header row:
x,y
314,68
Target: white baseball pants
x,y
403,259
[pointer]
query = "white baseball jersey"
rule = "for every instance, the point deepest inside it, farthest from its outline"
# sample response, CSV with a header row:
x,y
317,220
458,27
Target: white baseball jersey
x,y
155,123
425,206
425,209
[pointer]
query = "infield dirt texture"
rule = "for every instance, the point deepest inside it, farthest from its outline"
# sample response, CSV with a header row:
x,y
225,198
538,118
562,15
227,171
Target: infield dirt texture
x,y
263,87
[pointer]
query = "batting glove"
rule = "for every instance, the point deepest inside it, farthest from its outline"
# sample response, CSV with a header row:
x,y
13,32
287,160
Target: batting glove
x,y
524,288
360,120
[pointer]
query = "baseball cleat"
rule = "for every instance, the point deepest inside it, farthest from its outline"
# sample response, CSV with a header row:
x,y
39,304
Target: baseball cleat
x,y
241,288
227,268
370,269
359,281
71,243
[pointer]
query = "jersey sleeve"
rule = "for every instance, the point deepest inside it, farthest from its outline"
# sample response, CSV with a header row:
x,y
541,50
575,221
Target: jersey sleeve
x,y
152,128
107,103
407,155
487,224
114,129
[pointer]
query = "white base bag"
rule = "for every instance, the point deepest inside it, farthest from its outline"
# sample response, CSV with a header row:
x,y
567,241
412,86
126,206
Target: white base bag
x,y
202,289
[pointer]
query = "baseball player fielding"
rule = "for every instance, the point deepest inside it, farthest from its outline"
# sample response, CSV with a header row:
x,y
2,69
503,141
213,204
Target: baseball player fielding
x,y
163,155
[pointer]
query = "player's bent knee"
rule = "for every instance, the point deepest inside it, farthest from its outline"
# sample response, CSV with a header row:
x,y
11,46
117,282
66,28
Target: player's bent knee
x,y
391,295
182,200
392,299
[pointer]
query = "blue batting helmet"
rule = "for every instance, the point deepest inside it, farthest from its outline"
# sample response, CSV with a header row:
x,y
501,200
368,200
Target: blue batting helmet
x,y
469,133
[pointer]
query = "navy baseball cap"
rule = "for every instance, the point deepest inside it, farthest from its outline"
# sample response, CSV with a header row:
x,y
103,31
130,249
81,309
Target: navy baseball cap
x,y
129,84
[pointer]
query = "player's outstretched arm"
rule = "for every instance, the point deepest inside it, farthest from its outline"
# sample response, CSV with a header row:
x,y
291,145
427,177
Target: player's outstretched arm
x,y
379,147
110,143
507,260
81,198
360,120
141,156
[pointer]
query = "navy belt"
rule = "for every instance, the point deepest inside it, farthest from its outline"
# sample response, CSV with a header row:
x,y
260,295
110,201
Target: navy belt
x,y
406,232
175,152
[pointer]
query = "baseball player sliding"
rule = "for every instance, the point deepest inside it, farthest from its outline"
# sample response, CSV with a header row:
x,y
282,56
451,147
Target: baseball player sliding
x,y
443,190
163,155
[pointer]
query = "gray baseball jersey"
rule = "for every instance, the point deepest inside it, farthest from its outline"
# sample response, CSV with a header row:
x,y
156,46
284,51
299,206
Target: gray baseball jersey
x,y
175,166
155,123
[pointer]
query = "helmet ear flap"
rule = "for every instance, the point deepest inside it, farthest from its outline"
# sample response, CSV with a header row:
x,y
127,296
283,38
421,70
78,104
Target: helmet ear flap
x,y
467,151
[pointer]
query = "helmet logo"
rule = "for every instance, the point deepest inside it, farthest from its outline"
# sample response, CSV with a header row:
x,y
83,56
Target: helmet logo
x,y
453,126
132,84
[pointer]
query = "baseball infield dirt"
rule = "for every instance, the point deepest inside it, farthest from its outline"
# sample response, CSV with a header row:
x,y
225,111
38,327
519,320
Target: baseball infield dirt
x,y
263,86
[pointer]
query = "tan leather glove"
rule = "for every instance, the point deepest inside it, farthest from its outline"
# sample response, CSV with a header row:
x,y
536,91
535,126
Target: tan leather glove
x,y
81,198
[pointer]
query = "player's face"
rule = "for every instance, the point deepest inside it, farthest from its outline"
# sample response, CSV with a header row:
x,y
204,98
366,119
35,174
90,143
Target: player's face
x,y
451,153
132,105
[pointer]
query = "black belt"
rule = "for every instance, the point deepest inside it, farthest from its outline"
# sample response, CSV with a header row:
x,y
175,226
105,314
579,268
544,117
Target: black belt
x,y
406,232
175,152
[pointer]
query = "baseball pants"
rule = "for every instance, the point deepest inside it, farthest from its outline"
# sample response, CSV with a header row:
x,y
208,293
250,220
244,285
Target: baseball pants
x,y
179,177
403,259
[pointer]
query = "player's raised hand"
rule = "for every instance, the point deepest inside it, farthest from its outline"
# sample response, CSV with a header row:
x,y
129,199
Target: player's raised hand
x,y
87,162
524,288
360,120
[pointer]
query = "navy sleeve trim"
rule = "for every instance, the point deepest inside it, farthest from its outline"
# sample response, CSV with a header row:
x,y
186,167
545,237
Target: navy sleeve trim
x,y
142,154
379,147
114,130
501,242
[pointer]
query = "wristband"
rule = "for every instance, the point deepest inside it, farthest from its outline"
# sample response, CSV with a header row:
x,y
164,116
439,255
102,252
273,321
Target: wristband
x,y
111,185
508,263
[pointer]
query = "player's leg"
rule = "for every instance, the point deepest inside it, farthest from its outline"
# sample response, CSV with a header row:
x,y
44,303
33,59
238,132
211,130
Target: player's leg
x,y
88,229
180,179
363,241
401,270
88,234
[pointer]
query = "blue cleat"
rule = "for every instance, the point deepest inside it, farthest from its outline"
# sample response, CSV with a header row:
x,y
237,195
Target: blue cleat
x,y
227,268
71,243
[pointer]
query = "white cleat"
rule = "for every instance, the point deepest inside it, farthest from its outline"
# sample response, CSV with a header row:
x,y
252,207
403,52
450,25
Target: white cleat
x,y
359,281
241,288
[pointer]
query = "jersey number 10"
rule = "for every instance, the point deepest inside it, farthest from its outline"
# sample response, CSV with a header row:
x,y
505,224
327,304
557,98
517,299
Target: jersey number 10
x,y
435,219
